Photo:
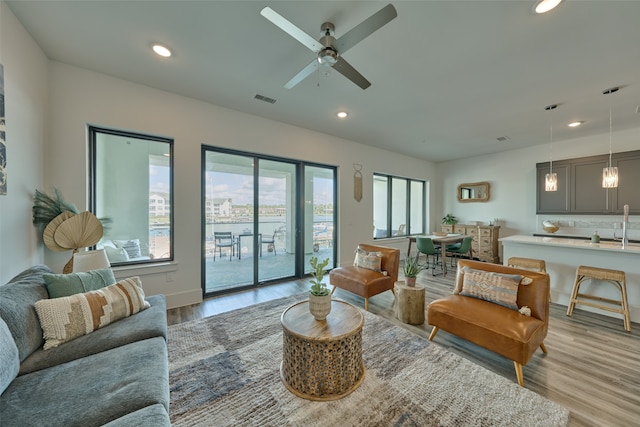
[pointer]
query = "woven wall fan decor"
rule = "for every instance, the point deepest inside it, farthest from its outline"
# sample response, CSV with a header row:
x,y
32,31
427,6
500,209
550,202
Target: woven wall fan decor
x,y
72,231
357,182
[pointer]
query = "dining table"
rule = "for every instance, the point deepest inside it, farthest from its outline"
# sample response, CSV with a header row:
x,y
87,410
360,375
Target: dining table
x,y
449,239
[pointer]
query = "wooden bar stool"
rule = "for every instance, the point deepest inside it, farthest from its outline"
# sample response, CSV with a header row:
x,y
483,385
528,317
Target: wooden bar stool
x,y
528,263
615,277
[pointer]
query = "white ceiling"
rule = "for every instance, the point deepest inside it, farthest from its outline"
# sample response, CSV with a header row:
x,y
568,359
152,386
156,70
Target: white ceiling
x,y
448,77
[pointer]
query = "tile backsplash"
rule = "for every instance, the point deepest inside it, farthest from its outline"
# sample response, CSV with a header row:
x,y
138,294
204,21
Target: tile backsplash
x,y
586,225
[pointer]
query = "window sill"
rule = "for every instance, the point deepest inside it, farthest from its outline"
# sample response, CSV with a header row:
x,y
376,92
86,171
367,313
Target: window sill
x,y
144,269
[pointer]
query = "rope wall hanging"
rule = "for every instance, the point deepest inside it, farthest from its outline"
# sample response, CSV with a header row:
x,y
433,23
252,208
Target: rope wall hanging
x,y
357,182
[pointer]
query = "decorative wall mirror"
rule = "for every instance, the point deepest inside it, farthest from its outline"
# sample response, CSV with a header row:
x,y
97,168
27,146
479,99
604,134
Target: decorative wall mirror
x,y
474,192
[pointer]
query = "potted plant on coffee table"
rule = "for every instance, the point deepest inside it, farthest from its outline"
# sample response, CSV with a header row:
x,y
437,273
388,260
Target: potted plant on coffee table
x,y
411,269
319,294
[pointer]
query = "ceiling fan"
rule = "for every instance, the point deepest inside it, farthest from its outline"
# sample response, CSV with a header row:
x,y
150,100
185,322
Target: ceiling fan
x,y
329,50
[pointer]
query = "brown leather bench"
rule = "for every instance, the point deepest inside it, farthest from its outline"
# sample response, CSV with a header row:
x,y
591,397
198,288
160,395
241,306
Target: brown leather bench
x,y
500,329
364,282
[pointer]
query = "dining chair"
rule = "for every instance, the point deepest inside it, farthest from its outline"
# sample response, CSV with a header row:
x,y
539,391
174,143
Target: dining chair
x,y
223,239
463,249
425,245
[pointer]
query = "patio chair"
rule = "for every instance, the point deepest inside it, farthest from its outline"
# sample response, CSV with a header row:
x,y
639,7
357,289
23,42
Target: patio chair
x,y
224,239
270,242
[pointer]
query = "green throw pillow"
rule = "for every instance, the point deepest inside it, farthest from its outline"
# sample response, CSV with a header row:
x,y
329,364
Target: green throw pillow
x,y
63,285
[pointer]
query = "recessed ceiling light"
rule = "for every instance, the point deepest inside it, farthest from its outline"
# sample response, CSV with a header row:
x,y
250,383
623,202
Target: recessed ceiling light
x,y
161,50
575,124
342,114
545,5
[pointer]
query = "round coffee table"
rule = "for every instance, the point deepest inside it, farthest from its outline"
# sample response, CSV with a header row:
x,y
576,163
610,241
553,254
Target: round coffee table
x,y
322,360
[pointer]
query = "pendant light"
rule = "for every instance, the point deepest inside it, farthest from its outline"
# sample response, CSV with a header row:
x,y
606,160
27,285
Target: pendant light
x,y
551,179
610,173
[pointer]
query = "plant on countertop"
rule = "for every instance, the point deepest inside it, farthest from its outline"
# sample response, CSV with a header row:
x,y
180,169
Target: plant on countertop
x,y
411,267
449,219
317,287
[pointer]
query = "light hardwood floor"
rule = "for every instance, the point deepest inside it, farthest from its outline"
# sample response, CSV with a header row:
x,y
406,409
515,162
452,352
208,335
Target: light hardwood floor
x,y
592,368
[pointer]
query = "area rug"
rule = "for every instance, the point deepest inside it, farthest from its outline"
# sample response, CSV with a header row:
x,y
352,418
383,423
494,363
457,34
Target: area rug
x,y
224,371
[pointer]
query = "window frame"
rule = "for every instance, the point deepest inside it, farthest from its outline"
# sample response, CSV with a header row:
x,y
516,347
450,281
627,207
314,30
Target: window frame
x,y
92,132
407,208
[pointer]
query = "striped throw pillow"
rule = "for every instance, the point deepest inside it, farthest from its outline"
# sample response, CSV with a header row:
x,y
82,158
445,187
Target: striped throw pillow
x,y
489,286
64,319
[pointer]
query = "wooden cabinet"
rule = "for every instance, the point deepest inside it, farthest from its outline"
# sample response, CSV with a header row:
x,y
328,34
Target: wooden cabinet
x,y
587,194
580,186
485,240
553,201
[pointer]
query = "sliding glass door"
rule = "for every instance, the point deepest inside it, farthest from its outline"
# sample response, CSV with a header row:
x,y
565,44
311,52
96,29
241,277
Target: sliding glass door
x,y
258,212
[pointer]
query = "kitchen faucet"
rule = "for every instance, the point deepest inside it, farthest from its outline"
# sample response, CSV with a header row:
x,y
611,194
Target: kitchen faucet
x,y
625,225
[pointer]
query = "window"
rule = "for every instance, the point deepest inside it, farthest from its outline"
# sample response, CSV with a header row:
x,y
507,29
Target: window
x,y
398,206
131,185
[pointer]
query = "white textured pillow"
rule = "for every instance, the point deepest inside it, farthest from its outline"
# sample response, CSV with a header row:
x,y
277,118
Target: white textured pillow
x,y
368,260
64,319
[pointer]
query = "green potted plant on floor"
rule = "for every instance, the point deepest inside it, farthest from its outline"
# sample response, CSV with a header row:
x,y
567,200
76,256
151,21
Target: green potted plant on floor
x,y
319,294
411,270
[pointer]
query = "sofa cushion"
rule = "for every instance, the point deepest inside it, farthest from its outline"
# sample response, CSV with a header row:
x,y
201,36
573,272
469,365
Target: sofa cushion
x,y
17,299
148,323
90,391
494,287
151,416
66,318
132,246
489,325
9,359
63,285
116,255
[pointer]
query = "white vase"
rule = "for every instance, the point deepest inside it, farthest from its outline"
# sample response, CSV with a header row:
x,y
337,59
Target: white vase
x,y
319,306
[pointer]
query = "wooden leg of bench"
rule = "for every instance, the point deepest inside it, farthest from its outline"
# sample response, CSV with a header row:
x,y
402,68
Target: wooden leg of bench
x,y
333,290
543,347
433,333
366,304
519,373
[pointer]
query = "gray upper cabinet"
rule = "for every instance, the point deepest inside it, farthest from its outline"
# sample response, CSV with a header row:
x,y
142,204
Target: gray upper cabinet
x,y
580,186
553,201
587,194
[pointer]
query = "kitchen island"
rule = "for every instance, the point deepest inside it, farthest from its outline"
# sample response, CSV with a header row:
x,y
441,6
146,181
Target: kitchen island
x,y
563,256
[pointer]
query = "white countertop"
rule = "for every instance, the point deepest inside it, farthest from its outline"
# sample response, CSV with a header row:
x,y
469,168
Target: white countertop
x,y
560,242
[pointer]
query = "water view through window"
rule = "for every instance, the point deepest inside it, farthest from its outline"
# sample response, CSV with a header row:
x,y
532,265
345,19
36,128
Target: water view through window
x,y
262,220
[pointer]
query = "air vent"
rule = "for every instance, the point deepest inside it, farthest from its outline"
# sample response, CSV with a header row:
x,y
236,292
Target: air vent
x,y
503,138
265,98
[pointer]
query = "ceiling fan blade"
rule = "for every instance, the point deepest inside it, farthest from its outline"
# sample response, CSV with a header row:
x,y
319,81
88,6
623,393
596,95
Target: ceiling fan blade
x,y
344,68
291,29
310,68
365,28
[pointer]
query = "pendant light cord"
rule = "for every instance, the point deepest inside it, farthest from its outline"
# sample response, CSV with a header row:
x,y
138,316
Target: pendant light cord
x,y
551,143
610,130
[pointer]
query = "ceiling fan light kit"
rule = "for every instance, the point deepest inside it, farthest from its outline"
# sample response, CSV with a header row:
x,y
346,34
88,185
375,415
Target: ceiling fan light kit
x,y
544,6
328,48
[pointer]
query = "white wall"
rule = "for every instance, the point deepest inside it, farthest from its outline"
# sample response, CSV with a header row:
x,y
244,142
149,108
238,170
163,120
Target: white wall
x,y
512,175
79,97
25,83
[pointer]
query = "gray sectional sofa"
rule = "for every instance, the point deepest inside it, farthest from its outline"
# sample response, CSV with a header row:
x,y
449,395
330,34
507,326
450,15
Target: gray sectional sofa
x,y
116,376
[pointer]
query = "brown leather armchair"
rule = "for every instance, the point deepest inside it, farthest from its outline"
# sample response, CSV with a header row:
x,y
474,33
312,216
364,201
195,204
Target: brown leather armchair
x,y
364,282
500,329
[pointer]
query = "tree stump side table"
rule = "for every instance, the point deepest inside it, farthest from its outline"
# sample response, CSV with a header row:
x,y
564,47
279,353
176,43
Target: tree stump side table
x,y
409,303
322,360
